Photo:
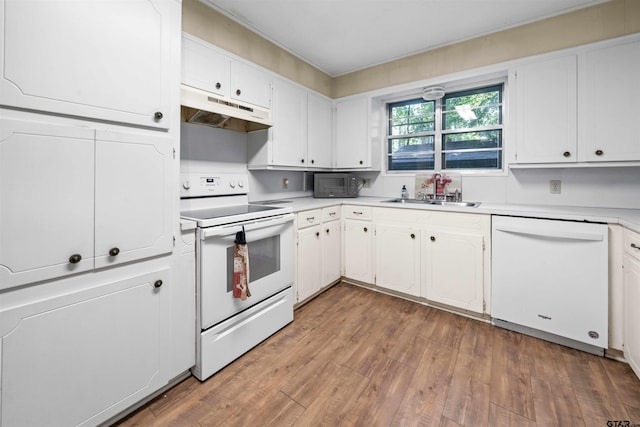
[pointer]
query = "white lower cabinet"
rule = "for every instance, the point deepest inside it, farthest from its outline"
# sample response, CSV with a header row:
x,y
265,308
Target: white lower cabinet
x,y
397,258
631,266
453,269
85,354
435,255
319,243
358,243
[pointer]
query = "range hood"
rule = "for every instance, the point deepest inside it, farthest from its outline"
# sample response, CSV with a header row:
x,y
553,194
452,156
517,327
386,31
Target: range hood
x,y
201,107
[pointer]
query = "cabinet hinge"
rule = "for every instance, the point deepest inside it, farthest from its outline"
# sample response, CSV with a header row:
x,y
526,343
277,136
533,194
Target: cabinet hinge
x,y
174,152
516,156
484,306
174,240
483,247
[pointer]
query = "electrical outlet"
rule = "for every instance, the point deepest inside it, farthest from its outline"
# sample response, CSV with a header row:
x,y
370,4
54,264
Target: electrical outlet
x,y
555,186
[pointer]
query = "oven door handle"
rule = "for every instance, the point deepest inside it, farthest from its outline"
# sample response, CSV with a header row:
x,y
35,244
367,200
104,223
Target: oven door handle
x,y
256,224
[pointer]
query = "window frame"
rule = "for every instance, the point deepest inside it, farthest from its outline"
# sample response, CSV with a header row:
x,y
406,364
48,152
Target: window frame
x,y
439,132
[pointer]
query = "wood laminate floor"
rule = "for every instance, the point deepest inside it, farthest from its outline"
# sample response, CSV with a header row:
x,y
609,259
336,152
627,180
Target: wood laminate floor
x,y
354,357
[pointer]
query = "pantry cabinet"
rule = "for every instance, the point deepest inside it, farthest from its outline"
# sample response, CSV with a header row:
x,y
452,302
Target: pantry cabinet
x,y
631,266
208,68
358,243
97,60
85,354
77,192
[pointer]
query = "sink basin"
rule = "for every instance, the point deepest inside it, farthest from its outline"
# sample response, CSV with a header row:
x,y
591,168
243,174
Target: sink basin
x,y
460,204
434,202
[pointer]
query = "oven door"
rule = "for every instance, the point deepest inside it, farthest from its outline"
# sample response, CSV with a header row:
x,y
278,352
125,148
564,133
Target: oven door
x,y
270,242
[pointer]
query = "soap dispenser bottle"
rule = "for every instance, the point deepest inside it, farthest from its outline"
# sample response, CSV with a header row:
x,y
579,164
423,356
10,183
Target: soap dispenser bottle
x,y
404,194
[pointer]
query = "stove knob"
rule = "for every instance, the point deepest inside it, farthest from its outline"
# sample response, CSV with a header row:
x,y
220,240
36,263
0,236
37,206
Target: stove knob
x,y
186,185
240,183
232,184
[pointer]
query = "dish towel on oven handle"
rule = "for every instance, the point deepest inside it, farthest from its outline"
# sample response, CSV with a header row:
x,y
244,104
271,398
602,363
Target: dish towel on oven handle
x,y
241,267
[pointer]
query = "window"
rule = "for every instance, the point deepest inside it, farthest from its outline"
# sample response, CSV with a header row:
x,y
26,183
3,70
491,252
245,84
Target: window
x,y
461,131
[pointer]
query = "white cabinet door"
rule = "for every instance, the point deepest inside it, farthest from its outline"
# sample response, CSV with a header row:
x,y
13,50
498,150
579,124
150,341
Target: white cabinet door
x,y
319,126
546,111
289,133
352,144
134,194
309,262
454,269
98,59
331,252
249,84
397,258
205,68
83,357
632,324
358,241
609,108
46,201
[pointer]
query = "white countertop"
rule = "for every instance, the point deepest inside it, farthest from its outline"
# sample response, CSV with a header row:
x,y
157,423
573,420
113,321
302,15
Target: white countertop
x,y
629,218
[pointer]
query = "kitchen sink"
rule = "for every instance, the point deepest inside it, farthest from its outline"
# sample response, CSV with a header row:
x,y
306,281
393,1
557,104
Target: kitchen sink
x,y
434,202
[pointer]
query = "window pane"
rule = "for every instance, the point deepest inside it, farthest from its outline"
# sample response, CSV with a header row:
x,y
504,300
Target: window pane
x,y
472,150
473,108
410,117
411,153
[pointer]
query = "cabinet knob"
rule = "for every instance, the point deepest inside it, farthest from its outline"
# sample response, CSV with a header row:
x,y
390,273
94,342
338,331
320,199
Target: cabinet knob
x,y
413,236
114,251
238,92
567,154
218,85
301,160
365,229
317,234
361,162
75,258
158,116
599,152
312,161
433,238
327,231
157,283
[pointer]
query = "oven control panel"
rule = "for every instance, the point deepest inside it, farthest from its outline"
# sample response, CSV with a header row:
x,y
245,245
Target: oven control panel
x,y
200,185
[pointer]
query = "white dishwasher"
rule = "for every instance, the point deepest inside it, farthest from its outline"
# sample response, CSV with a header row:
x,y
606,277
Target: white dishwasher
x,y
550,280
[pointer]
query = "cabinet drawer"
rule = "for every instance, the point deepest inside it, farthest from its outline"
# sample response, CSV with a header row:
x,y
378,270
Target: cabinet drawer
x,y
309,218
357,212
330,214
632,244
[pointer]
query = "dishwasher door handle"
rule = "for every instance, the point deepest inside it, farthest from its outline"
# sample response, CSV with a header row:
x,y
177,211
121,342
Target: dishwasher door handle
x,y
567,235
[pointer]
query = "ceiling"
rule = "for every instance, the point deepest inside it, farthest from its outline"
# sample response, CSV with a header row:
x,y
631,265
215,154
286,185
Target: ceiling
x,y
341,36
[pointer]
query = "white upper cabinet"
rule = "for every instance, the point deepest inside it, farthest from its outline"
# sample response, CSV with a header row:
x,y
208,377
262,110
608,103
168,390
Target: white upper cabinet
x,y
289,131
609,104
319,131
578,108
352,133
208,68
546,111
93,59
